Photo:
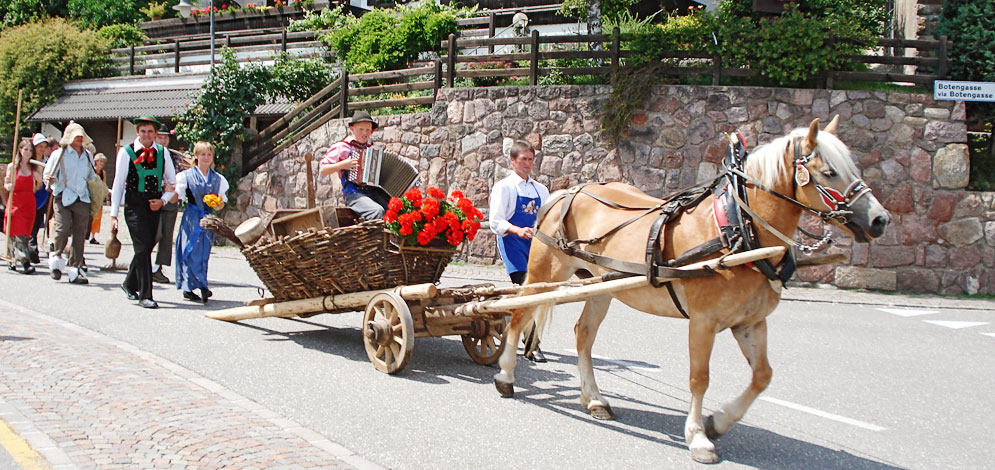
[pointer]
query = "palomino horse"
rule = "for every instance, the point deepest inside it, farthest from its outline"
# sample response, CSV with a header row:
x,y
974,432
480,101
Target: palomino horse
x,y
802,165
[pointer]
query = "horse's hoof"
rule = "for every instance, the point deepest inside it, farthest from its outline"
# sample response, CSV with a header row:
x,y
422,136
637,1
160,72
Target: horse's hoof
x,y
602,412
507,390
710,428
704,456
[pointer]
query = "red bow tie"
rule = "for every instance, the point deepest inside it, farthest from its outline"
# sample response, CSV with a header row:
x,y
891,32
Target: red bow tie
x,y
145,155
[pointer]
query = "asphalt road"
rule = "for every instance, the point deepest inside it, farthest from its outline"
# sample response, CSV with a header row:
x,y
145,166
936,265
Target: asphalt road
x,y
854,386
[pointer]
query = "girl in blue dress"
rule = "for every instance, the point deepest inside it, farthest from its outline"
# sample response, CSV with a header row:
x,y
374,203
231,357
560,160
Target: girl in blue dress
x,y
193,244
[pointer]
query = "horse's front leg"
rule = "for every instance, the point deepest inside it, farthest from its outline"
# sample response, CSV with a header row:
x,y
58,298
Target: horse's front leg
x,y
701,338
586,330
505,380
753,342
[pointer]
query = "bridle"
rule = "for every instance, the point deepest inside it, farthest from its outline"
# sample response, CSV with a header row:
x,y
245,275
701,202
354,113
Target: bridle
x,y
838,203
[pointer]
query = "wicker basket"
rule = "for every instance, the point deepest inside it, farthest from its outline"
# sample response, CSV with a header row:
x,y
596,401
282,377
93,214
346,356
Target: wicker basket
x,y
341,260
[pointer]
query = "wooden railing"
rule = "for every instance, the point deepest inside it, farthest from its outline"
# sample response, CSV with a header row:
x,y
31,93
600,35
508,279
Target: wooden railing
x,y
195,50
336,100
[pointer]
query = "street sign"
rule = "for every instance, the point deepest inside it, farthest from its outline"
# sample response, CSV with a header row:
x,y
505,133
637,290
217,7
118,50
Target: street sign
x,y
964,91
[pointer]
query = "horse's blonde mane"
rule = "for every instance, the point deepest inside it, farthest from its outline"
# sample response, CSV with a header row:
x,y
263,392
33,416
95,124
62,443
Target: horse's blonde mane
x,y
767,162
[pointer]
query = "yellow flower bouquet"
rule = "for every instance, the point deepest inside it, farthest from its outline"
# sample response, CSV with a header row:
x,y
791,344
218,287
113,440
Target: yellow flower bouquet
x,y
213,201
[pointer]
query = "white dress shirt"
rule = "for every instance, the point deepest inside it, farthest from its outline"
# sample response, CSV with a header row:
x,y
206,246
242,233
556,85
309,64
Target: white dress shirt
x,y
505,194
121,176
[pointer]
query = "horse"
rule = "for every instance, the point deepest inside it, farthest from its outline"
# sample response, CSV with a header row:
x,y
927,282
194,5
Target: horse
x,y
803,170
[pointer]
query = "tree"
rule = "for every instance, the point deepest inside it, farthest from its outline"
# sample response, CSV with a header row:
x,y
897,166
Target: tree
x,y
970,24
39,57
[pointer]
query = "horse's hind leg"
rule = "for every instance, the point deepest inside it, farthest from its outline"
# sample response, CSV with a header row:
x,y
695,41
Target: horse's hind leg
x,y
701,338
585,331
753,342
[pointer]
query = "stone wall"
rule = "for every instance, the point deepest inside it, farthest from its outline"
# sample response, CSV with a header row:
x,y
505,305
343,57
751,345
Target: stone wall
x,y
910,147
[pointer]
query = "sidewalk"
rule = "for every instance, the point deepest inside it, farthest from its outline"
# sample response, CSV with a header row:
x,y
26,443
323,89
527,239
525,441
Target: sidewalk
x,y
83,400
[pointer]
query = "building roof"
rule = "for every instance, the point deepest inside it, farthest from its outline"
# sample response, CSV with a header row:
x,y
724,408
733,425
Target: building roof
x,y
128,97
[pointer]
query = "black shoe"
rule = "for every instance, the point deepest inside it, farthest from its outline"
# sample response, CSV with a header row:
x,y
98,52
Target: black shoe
x,y
28,269
159,277
11,267
205,293
148,303
55,274
192,296
33,255
80,280
132,295
93,241
536,356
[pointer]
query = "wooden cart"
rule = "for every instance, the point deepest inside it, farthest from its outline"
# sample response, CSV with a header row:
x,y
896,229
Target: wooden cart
x,y
394,317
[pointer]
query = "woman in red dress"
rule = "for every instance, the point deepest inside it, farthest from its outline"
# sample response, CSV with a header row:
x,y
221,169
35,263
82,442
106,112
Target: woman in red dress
x,y
21,205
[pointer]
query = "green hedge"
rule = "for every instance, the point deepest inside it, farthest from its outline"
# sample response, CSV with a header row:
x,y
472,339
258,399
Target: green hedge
x,y
39,57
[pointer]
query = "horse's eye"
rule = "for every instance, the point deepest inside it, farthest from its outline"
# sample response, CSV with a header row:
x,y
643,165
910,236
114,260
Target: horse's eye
x,y
830,173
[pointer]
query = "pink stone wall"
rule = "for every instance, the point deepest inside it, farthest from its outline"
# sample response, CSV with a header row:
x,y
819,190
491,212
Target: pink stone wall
x,y
911,149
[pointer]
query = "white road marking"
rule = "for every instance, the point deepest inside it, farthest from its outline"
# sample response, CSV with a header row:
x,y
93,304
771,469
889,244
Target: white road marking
x,y
989,334
907,312
956,324
824,414
621,363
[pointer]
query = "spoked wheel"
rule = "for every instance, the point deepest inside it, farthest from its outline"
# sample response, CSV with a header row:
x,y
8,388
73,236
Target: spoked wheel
x,y
486,340
388,332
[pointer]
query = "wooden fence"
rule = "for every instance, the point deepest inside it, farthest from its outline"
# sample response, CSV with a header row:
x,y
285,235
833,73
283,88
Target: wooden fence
x,y
336,100
195,50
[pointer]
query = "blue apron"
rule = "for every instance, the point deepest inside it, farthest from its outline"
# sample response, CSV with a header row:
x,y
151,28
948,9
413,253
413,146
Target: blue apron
x,y
514,249
193,244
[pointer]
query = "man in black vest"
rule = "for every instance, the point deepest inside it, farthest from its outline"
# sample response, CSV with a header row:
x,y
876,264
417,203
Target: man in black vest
x,y
144,179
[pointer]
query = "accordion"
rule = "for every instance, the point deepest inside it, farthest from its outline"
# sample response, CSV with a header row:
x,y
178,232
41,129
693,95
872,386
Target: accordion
x,y
383,170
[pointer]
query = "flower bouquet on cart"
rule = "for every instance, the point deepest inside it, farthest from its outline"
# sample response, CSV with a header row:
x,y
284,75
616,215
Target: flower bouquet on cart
x,y
432,219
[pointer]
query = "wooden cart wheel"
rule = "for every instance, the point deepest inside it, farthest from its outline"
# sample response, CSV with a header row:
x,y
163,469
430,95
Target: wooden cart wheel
x,y
388,332
486,340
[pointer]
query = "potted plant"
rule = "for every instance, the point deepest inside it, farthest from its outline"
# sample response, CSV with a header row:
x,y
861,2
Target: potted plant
x,y
154,10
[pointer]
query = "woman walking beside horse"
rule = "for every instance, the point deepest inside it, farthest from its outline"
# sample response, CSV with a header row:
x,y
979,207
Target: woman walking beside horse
x,y
616,225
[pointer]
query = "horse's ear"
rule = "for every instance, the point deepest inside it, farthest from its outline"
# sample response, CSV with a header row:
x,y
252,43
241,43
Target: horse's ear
x,y
813,132
831,127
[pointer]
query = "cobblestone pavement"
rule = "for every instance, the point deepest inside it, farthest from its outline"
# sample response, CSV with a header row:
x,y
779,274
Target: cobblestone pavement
x,y
84,400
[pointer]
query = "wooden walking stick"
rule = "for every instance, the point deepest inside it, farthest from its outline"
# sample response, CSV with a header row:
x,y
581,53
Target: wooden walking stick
x,y
12,175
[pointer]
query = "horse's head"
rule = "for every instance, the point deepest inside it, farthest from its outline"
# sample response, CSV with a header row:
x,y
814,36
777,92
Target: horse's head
x,y
827,179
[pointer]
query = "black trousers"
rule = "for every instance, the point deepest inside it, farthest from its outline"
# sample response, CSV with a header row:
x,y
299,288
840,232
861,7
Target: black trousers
x,y
143,224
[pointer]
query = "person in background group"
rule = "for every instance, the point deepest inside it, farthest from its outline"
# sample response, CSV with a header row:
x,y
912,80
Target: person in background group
x,y
42,151
514,203
370,203
144,179
21,205
99,161
167,219
66,172
193,244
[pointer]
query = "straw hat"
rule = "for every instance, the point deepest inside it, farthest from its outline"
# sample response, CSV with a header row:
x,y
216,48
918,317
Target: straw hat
x,y
72,131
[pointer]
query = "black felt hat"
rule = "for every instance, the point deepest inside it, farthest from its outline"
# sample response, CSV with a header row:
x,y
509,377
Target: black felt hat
x,y
363,116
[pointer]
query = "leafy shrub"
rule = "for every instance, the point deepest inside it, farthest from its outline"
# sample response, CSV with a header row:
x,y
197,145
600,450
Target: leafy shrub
x,y
96,14
234,91
298,79
154,9
385,39
218,114
123,35
19,12
39,57
314,20
611,10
